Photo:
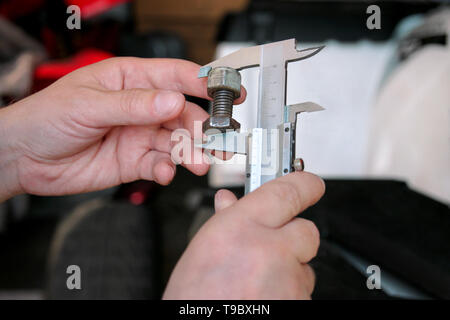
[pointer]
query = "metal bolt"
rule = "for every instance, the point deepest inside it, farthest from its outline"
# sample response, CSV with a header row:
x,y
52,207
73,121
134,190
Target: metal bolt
x,y
299,165
224,86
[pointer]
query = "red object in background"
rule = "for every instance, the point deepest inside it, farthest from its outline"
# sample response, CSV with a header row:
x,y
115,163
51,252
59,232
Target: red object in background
x,y
57,69
137,198
90,8
50,71
13,9
138,192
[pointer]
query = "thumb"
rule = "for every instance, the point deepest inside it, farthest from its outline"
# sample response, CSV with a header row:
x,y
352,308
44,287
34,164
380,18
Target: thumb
x,y
136,107
223,199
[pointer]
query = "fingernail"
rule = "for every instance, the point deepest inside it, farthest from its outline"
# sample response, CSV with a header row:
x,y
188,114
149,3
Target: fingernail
x,y
323,182
166,102
217,196
172,168
217,200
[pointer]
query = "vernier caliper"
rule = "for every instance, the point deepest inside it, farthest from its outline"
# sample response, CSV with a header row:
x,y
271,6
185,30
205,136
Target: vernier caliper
x,y
270,146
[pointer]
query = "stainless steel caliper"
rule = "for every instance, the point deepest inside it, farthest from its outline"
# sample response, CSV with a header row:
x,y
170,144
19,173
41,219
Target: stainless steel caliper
x,y
270,146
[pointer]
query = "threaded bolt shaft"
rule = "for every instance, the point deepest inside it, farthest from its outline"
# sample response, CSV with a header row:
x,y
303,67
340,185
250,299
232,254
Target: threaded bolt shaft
x,y
223,103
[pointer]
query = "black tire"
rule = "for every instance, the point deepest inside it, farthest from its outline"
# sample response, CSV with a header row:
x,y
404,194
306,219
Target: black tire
x,y
114,245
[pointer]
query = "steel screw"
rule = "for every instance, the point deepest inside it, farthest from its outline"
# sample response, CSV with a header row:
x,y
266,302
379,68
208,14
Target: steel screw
x,y
224,86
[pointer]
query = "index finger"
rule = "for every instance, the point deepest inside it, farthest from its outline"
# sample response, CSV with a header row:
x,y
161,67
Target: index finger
x,y
277,202
169,74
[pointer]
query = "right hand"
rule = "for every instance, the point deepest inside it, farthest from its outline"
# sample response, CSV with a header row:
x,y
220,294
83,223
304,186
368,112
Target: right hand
x,y
254,248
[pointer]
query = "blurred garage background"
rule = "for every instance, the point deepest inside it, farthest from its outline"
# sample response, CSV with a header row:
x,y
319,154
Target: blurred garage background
x,y
382,144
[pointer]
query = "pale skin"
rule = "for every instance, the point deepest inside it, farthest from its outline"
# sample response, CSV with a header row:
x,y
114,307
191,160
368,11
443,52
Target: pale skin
x,y
256,246
111,123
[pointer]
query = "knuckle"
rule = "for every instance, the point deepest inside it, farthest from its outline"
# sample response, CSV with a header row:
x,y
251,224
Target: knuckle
x,y
288,194
179,98
313,235
310,278
130,101
123,61
309,272
312,228
114,60
81,109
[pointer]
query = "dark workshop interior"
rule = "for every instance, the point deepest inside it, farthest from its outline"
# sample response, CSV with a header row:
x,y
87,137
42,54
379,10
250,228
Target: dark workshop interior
x,y
128,238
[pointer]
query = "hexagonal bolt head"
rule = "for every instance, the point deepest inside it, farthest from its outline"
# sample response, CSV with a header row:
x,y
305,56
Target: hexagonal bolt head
x,y
221,124
224,78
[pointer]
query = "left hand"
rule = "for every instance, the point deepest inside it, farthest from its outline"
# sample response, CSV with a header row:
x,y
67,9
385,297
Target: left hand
x,y
97,127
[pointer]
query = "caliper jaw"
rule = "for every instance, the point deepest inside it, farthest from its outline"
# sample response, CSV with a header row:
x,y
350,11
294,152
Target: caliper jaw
x,y
288,161
274,135
230,141
251,57
239,142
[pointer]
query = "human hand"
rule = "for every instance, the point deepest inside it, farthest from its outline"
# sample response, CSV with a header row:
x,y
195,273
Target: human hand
x,y
102,125
255,247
